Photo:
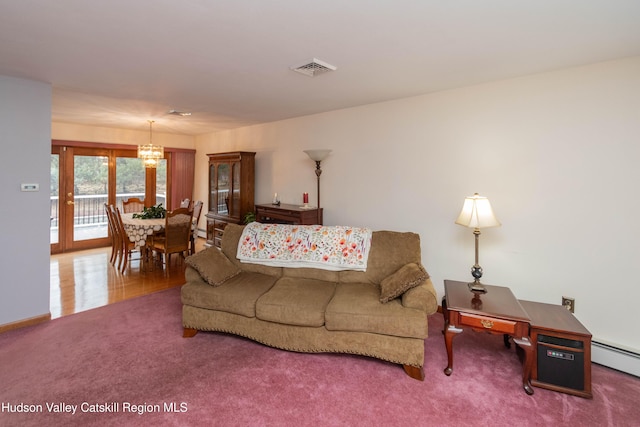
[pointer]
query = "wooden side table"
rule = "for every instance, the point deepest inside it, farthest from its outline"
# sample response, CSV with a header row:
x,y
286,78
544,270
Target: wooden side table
x,y
497,312
563,350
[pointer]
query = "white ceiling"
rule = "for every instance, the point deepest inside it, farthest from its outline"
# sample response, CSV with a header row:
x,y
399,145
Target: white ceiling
x,y
119,63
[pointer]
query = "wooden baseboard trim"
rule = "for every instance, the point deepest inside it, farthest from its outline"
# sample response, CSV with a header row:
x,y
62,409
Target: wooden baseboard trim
x,y
26,322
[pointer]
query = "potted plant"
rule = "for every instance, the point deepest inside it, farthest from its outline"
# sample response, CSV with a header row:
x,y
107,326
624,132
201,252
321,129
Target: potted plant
x,y
151,212
249,217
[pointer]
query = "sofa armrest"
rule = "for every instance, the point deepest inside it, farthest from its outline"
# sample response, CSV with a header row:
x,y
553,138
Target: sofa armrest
x,y
422,297
191,275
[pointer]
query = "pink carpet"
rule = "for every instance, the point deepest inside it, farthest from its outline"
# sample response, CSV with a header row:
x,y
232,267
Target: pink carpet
x,y
130,357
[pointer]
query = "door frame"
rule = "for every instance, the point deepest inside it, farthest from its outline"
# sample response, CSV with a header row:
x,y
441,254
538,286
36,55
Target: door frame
x,y
58,246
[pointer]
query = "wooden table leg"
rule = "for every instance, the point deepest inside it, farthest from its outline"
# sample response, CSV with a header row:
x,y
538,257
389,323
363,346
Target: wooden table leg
x,y
144,258
506,339
450,331
525,345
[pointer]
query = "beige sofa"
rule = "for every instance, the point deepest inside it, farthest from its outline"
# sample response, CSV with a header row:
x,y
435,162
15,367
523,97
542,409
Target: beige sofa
x,y
314,310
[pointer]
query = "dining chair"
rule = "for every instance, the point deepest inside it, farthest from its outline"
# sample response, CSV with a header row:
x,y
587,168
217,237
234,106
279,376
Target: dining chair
x,y
117,240
197,210
126,246
177,232
186,203
132,204
115,244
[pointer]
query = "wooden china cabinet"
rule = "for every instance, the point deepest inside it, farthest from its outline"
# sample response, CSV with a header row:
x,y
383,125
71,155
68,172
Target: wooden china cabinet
x,y
231,191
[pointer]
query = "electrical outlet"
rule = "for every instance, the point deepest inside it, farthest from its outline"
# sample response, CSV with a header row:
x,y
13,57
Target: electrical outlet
x,y
569,303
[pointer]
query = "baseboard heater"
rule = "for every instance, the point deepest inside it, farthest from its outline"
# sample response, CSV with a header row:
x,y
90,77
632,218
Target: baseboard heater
x,y
616,358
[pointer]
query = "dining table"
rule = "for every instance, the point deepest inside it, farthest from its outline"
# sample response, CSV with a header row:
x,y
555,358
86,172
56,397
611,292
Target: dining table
x,y
138,230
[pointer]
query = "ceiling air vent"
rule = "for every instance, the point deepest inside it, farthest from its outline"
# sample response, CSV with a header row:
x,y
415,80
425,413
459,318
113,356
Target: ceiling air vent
x,y
313,67
179,113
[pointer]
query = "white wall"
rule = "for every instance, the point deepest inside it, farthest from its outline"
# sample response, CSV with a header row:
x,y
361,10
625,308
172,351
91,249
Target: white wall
x,y
25,137
556,154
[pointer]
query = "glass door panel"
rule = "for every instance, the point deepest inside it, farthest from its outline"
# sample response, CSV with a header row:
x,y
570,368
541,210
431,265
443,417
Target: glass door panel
x,y
213,191
223,185
130,179
90,193
161,183
235,204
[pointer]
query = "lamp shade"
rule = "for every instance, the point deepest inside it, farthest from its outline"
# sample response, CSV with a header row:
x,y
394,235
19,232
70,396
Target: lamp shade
x,y
317,155
477,213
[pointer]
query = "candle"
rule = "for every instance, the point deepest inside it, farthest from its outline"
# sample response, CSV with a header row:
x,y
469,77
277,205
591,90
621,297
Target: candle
x,y
305,198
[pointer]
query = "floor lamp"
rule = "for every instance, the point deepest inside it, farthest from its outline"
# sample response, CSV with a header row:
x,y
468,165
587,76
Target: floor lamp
x,y
477,213
318,156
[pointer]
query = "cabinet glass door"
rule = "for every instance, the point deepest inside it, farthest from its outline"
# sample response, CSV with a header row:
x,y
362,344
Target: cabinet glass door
x,y
223,185
213,193
235,204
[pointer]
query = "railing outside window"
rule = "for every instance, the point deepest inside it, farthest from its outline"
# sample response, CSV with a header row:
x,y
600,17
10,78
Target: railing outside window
x,y
89,210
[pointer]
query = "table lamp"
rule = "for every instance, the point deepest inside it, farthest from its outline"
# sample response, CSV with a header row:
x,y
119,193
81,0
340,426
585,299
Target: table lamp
x,y
477,213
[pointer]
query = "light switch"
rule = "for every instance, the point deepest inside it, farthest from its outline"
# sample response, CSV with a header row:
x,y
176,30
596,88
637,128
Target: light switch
x,y
30,187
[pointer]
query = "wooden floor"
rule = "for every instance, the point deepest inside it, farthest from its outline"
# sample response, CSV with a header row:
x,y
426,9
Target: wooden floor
x,y
84,280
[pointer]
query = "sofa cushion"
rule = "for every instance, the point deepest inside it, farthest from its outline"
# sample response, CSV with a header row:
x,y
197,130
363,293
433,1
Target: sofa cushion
x,y
312,273
407,277
214,267
390,250
237,295
296,301
357,307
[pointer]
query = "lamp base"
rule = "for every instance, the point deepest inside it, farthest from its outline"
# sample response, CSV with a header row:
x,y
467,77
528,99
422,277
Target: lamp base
x,y
476,272
477,287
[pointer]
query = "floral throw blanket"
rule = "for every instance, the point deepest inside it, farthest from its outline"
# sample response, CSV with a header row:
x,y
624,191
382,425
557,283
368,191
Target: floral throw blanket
x,y
316,246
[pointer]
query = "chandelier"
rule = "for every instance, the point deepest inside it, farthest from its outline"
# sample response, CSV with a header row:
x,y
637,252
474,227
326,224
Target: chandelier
x,y
149,153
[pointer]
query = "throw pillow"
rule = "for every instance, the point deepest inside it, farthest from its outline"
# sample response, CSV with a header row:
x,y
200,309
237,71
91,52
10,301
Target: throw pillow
x,y
214,267
407,277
